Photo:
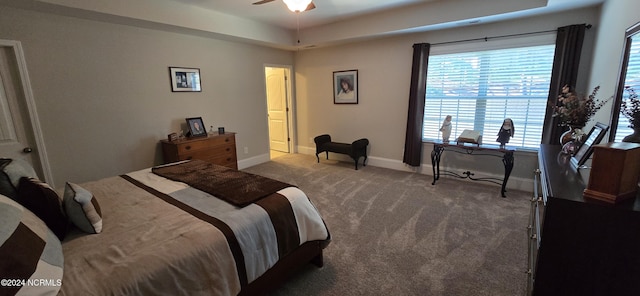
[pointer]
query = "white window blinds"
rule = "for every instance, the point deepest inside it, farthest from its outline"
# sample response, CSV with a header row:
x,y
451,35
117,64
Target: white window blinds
x,y
480,89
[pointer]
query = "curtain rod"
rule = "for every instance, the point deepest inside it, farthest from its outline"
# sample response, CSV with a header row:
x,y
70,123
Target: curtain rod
x,y
588,26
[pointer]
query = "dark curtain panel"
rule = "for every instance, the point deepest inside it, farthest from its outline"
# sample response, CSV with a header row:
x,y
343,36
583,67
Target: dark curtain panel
x,y
413,138
565,72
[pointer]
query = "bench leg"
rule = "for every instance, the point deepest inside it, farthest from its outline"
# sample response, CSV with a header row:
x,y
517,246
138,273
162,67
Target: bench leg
x,y
327,154
355,159
364,161
318,157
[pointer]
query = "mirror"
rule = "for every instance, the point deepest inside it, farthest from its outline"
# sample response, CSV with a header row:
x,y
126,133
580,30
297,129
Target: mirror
x,y
629,76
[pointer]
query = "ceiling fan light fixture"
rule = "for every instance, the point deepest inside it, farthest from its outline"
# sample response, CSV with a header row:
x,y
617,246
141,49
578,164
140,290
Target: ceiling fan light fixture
x,y
297,5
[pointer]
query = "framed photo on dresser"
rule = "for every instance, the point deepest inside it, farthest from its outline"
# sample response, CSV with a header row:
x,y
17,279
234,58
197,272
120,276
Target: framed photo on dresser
x,y
586,149
196,127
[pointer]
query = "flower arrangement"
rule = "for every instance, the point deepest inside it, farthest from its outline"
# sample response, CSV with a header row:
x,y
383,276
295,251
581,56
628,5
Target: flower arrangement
x,y
575,110
630,108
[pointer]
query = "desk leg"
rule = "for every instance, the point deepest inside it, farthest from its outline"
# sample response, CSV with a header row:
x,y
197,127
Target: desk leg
x,y
435,161
507,160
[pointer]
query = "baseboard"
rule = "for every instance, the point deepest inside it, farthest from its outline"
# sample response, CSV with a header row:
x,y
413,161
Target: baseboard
x,y
514,183
251,161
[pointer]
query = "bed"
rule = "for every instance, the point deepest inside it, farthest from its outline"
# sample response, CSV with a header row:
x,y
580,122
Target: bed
x,y
168,230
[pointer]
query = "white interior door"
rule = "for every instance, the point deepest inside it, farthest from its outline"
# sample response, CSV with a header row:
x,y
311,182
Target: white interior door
x,y
18,121
276,81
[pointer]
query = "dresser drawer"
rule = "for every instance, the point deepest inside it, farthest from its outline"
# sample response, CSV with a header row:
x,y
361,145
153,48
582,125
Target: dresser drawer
x,y
221,152
205,144
217,149
534,229
225,160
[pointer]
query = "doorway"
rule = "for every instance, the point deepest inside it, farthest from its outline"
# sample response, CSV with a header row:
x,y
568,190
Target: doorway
x,y
278,90
20,133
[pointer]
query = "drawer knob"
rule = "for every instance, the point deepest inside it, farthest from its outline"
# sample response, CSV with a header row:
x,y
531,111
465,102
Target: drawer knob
x,y
226,139
187,147
228,149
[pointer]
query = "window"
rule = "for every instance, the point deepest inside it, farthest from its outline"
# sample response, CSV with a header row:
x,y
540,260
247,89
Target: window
x,y
480,89
632,79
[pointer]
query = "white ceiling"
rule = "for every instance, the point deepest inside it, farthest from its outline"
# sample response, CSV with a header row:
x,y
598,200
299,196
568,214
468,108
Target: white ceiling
x,y
272,24
277,13
330,11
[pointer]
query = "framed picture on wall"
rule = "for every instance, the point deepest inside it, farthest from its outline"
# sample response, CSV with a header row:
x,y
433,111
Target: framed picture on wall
x,y
345,87
185,79
196,127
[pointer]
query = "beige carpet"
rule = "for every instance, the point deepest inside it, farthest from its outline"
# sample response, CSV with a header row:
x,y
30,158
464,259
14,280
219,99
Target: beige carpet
x,y
393,233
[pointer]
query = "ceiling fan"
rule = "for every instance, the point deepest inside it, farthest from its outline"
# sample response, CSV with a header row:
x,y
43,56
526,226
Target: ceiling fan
x,y
294,5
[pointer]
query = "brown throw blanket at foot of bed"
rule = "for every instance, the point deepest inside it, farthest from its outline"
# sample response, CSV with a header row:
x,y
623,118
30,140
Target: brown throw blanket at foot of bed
x,y
233,186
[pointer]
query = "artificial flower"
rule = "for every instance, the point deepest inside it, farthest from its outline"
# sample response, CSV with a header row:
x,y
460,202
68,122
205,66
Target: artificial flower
x,y
576,110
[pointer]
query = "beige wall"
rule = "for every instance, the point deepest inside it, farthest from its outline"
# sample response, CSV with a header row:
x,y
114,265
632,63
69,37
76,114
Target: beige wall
x,y
384,69
102,90
103,96
617,16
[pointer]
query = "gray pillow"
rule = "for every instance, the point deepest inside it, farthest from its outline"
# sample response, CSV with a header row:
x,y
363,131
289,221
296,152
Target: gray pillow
x,y
11,171
28,250
82,208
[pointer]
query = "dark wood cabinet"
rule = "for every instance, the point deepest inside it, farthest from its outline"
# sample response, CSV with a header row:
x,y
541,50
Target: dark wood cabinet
x,y
580,246
216,148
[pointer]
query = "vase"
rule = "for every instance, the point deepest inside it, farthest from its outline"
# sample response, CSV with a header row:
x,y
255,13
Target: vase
x,y
570,147
633,138
573,133
571,140
566,136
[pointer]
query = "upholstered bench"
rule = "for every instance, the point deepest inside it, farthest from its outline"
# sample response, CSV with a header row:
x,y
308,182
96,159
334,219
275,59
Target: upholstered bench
x,y
355,150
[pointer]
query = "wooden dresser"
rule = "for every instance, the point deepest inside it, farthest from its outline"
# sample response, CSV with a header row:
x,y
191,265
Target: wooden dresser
x,y
580,246
215,148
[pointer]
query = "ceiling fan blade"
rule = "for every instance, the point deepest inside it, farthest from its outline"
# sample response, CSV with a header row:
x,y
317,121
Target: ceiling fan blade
x,y
310,6
262,2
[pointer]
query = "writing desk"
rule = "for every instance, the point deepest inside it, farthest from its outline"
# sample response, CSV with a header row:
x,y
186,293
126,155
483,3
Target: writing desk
x,y
506,154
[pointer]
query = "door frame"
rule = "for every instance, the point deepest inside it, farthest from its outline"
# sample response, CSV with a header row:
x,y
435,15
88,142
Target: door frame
x,y
34,122
288,69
